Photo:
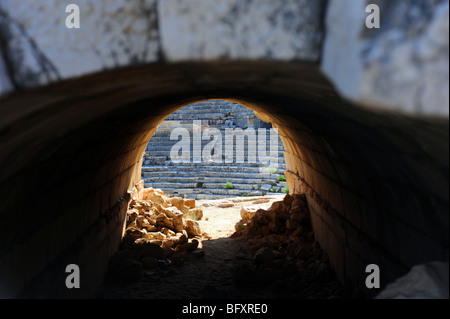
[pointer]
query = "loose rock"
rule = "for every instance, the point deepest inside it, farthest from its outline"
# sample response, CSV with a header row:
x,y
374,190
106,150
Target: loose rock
x,y
192,228
157,227
247,212
285,253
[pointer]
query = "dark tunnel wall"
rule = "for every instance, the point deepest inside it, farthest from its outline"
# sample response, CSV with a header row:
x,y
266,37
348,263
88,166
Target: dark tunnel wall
x,y
377,183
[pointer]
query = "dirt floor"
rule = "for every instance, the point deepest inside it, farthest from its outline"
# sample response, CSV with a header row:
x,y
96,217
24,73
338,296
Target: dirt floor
x,y
220,271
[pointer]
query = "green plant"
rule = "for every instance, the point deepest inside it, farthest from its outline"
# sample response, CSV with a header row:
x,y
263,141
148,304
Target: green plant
x,y
228,185
286,189
193,215
272,170
273,189
281,178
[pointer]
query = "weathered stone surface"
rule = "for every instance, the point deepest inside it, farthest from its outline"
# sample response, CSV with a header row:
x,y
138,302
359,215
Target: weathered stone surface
x,y
284,218
371,174
156,196
178,202
40,48
190,203
124,33
155,236
426,281
192,228
195,213
403,65
132,214
262,29
154,217
287,200
142,222
247,212
178,223
144,247
285,260
133,234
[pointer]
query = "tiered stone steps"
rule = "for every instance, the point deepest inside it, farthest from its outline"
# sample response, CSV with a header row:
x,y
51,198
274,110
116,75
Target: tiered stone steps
x,y
206,180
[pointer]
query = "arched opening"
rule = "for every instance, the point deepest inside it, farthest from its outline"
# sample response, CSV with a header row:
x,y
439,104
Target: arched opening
x,y
172,223
376,183
215,149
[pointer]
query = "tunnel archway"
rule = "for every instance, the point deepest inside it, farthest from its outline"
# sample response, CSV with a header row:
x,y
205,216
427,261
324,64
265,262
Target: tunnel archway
x,y
377,182
201,147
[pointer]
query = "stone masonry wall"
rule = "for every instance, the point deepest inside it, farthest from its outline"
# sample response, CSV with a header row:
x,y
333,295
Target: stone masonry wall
x,y
362,113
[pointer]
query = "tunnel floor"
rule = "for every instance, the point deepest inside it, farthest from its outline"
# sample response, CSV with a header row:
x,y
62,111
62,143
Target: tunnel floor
x,y
231,264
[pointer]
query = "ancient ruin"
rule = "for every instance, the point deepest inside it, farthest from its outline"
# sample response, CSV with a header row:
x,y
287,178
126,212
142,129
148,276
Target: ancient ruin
x,y
199,176
276,254
362,112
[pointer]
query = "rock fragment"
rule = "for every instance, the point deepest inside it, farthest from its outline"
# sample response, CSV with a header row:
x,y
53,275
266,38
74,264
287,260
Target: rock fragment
x,y
157,229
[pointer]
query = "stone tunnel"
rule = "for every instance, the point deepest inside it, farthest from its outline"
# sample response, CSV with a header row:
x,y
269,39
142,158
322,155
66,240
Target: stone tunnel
x,y
362,113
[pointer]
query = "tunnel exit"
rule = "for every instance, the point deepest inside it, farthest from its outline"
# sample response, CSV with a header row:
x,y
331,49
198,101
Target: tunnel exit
x,y
214,149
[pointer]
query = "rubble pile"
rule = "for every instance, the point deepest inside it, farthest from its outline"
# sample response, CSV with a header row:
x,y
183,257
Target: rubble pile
x,y
160,231
289,219
285,256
